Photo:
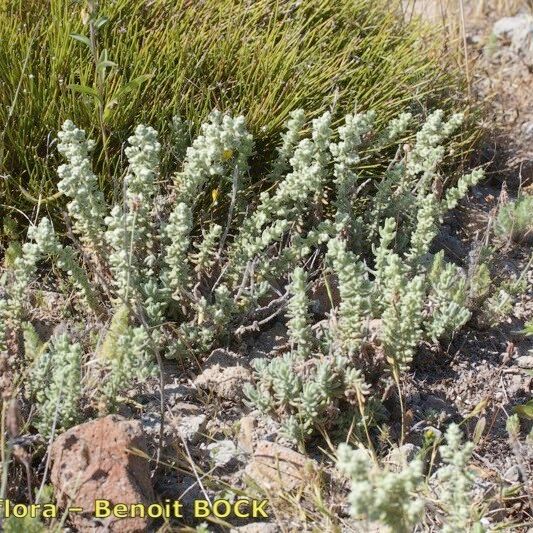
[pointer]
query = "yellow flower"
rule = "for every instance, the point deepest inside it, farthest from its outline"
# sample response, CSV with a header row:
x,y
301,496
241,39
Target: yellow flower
x,y
214,195
227,154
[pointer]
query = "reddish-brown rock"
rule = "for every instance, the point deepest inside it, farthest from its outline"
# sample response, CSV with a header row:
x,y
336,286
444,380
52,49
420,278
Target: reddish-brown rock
x,y
102,459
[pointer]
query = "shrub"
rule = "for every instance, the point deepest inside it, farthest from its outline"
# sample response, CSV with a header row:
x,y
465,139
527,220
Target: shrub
x,y
397,498
160,277
455,483
411,305
383,496
55,381
513,221
151,60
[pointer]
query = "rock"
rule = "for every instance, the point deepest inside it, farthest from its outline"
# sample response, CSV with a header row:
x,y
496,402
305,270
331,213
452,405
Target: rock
x,y
519,30
179,486
452,246
189,421
399,457
374,329
256,527
514,383
151,423
484,490
322,329
191,428
513,474
434,432
525,361
276,467
224,453
509,25
224,374
245,437
186,409
527,128
516,335
95,461
187,489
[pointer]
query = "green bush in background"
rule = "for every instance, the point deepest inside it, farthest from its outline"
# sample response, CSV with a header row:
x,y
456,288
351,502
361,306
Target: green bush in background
x,y
111,64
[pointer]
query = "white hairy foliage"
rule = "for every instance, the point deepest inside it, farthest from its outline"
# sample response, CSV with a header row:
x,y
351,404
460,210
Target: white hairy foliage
x,y
184,281
56,382
397,498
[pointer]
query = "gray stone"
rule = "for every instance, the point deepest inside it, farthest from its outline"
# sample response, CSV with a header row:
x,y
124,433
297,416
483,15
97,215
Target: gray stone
x,y
525,361
189,422
524,346
269,340
245,437
437,405
513,474
325,295
175,392
399,457
437,433
528,129
514,383
452,246
224,453
509,25
519,30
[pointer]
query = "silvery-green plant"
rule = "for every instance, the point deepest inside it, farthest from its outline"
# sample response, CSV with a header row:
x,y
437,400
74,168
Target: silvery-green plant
x,y
414,297
222,148
130,362
454,194
77,182
181,137
454,483
345,155
290,140
397,498
177,232
447,299
428,150
42,244
389,497
513,221
354,291
130,232
55,383
276,213
299,392
425,229
184,281
299,322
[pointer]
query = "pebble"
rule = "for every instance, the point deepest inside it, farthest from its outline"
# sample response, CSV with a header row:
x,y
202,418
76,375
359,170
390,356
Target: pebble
x,y
525,361
224,453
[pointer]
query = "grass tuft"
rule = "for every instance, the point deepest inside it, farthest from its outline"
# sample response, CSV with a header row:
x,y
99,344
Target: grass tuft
x,y
152,60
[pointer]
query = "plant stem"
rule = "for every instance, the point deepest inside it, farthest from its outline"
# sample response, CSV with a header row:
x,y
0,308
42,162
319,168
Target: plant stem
x,y
92,6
